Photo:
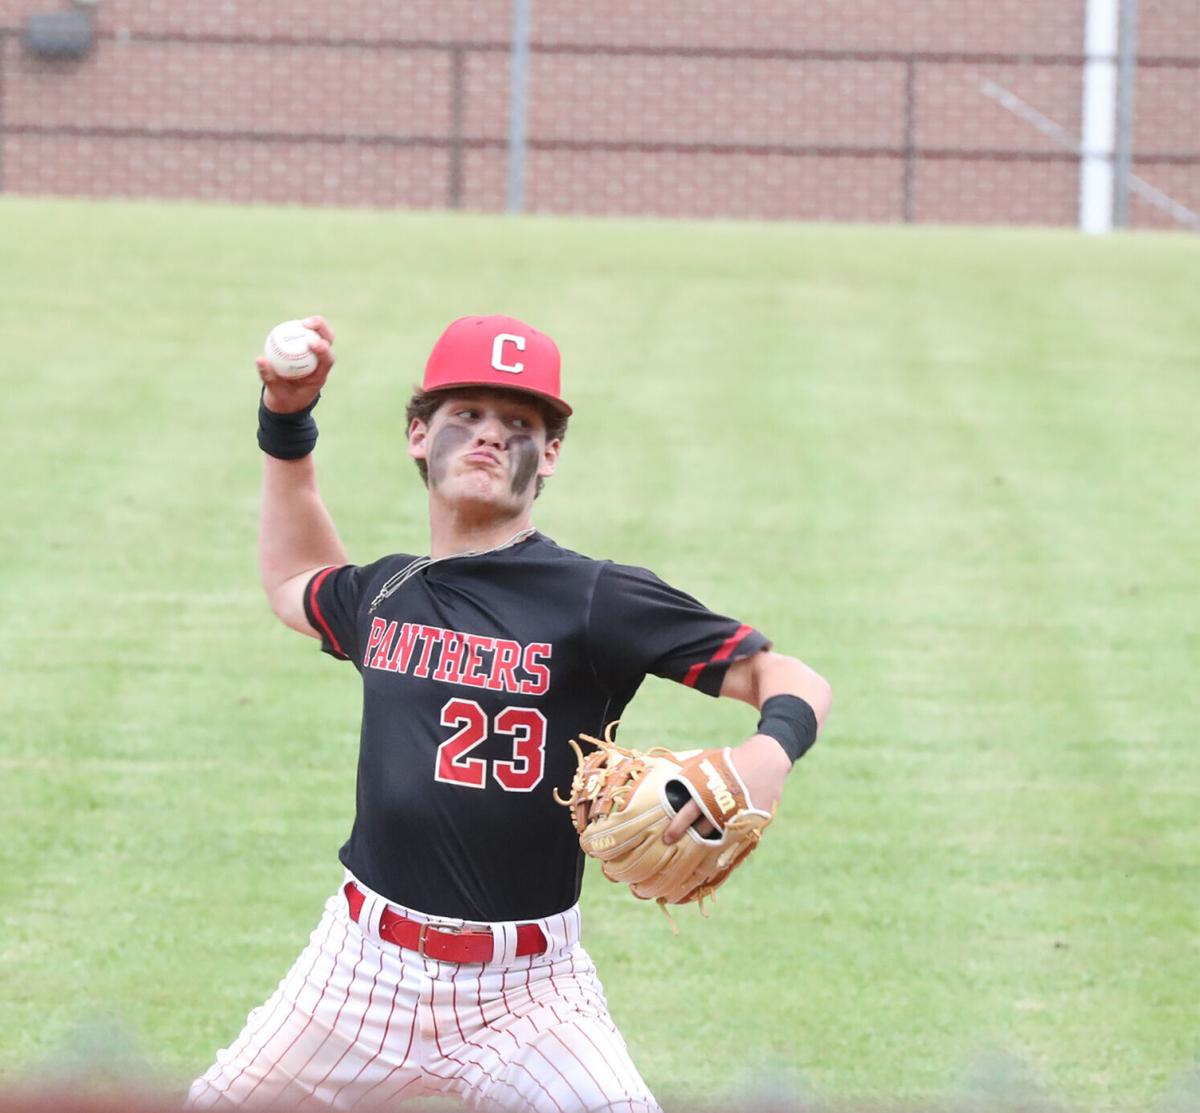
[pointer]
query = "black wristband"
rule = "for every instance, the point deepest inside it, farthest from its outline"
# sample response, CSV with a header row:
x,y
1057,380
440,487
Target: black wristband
x,y
792,722
286,436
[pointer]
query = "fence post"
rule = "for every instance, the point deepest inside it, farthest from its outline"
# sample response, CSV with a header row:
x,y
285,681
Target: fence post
x,y
454,187
910,138
1126,79
1099,116
516,106
3,129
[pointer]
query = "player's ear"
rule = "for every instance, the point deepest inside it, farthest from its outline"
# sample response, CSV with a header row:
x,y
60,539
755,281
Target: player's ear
x,y
418,439
549,458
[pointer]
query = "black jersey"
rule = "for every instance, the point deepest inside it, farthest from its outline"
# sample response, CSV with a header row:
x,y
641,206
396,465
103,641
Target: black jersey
x,y
476,671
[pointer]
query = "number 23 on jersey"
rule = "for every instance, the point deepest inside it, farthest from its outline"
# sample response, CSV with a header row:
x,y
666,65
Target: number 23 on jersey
x,y
526,726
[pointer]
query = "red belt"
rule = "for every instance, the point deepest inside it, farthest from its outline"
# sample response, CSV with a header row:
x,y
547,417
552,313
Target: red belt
x,y
443,942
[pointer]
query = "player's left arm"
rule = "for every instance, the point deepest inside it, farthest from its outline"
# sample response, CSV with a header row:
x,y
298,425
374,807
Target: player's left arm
x,y
762,761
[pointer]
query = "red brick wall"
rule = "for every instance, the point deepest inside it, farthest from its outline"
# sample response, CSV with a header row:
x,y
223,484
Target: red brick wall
x,y
873,110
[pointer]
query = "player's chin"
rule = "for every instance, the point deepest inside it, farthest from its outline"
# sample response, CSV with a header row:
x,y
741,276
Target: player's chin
x,y
482,482
482,488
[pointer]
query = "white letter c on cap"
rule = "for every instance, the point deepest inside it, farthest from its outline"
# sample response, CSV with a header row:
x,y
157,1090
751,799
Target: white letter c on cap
x,y
498,352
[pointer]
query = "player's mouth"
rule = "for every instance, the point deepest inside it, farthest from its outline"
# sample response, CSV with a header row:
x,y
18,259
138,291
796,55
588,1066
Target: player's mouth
x,y
483,458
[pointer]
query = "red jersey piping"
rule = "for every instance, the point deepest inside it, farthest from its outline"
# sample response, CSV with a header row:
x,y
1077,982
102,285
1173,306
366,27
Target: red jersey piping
x,y
731,643
314,586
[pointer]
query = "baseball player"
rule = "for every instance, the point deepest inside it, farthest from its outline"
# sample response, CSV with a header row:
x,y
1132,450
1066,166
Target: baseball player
x,y
448,962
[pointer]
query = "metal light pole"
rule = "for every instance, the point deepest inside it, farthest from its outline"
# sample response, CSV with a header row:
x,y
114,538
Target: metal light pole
x,y
1099,116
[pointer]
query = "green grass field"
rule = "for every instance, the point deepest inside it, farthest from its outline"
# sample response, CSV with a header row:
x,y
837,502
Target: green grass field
x,y
954,470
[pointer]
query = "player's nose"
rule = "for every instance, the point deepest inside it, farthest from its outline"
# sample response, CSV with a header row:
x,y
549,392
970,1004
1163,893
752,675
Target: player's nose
x,y
490,431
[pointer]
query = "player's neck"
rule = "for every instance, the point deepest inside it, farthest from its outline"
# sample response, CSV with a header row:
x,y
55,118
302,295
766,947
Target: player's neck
x,y
455,530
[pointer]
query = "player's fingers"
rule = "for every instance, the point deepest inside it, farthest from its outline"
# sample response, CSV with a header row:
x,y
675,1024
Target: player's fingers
x,y
283,395
320,326
323,350
684,818
272,378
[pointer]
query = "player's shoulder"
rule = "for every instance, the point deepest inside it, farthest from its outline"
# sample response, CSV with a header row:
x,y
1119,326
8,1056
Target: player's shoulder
x,y
539,547
611,571
546,561
543,548
393,562
364,577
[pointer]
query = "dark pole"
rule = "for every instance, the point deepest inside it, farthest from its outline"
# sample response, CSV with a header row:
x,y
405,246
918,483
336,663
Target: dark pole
x,y
455,185
3,131
910,137
1126,77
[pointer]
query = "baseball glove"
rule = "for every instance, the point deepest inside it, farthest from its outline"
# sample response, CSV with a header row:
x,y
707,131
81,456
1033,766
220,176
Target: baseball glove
x,y
623,800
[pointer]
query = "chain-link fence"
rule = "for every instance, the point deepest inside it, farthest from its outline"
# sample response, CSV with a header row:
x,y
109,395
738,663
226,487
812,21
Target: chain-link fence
x,y
1020,111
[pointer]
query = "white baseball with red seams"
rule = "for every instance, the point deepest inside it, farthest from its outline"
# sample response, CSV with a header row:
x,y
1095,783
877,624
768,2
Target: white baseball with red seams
x,y
288,352
361,1023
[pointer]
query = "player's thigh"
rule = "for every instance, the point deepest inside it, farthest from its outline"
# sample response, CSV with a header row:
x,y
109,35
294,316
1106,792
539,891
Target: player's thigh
x,y
335,1030
572,1064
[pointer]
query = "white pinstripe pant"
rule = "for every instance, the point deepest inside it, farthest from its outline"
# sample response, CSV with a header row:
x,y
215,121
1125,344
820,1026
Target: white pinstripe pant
x,y
361,1023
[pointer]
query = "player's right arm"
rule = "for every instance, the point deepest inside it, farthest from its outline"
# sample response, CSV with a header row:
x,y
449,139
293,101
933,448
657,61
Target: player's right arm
x,y
296,534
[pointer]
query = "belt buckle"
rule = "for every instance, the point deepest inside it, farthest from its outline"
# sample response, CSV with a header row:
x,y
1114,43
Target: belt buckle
x,y
443,928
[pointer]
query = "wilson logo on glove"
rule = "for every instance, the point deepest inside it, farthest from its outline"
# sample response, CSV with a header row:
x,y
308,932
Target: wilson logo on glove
x,y
718,787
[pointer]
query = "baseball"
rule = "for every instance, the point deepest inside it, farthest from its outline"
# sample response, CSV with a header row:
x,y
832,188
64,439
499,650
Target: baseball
x,y
287,349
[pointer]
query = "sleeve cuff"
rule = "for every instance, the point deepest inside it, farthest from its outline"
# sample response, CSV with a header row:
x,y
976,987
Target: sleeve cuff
x,y
707,676
317,619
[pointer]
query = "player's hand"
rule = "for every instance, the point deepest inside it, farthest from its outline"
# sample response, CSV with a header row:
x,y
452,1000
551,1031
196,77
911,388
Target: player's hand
x,y
288,396
763,766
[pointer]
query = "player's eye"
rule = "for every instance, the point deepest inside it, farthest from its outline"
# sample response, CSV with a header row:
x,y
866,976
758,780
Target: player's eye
x,y
467,415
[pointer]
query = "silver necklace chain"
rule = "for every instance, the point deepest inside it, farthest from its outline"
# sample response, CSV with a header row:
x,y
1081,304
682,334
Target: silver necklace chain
x,y
399,579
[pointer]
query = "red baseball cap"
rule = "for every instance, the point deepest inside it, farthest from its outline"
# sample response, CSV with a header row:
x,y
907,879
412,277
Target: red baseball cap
x,y
499,352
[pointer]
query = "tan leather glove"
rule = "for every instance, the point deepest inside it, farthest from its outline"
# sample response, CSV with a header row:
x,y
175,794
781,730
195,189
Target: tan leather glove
x,y
622,800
